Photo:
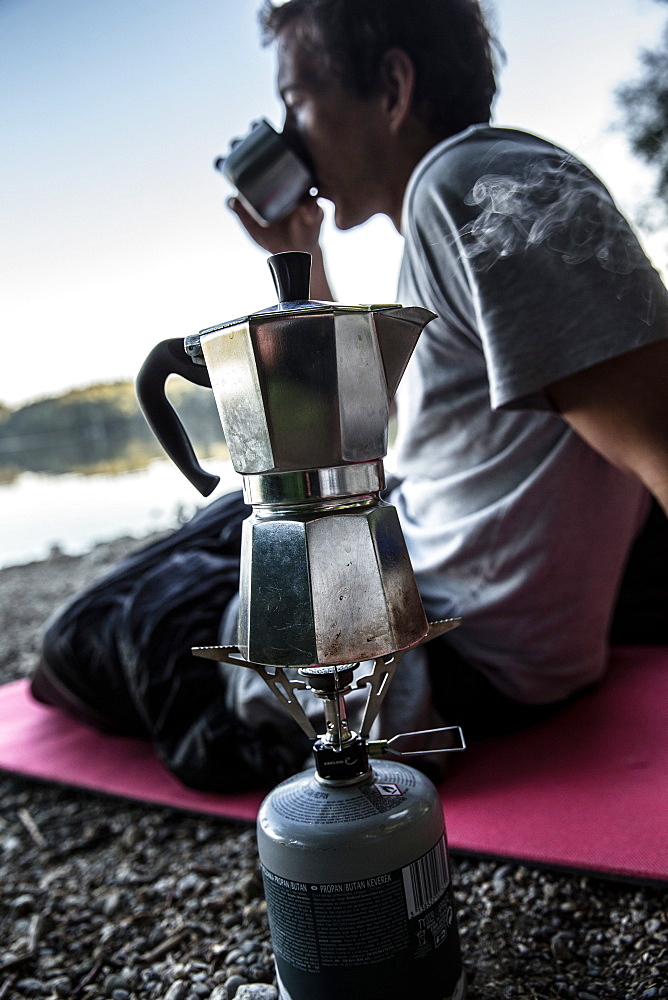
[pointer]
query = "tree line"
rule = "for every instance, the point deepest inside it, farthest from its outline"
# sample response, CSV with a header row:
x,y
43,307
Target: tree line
x,y
644,105
94,427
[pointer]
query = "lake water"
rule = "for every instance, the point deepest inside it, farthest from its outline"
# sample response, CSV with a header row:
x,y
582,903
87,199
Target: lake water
x,y
74,512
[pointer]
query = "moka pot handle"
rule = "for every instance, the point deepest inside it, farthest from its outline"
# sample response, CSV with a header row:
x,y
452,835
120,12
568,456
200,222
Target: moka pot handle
x,y
169,358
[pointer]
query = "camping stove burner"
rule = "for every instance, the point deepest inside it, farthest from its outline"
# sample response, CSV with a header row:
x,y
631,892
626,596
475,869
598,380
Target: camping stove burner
x,y
329,678
340,753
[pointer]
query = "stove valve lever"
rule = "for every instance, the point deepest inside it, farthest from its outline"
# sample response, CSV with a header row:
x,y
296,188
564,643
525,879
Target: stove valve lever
x,y
442,740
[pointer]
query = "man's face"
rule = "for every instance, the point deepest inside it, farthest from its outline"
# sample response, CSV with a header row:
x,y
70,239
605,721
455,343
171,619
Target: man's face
x,y
343,133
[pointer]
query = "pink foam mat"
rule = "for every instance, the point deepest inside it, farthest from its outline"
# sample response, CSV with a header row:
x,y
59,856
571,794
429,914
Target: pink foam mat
x,y
586,790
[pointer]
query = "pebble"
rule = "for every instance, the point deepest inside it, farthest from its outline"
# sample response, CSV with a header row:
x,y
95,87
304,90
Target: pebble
x,y
111,903
232,984
562,946
156,936
177,990
10,845
115,982
200,989
260,974
61,986
256,991
190,884
33,987
23,904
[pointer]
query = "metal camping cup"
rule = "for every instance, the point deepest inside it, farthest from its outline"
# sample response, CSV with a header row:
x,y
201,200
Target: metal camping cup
x,y
270,171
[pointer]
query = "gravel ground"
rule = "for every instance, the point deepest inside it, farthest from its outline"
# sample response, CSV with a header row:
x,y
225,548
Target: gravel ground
x,y
100,898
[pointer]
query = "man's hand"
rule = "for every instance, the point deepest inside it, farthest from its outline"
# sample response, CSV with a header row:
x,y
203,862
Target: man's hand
x,y
298,231
620,408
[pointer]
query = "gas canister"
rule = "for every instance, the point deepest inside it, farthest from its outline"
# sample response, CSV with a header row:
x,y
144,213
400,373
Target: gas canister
x,y
358,889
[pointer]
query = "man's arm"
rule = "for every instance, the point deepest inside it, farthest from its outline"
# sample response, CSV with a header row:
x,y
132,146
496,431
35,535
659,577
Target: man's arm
x,y
620,408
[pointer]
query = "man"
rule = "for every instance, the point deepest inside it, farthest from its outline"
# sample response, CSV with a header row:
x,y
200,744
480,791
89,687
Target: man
x,y
531,417
516,518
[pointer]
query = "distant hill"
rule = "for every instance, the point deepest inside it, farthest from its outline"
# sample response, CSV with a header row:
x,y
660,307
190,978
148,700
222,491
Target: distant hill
x,y
98,428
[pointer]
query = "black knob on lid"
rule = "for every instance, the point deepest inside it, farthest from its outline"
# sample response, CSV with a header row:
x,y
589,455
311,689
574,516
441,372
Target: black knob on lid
x,y
291,272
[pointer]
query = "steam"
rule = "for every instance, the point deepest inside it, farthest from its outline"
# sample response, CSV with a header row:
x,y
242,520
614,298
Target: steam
x,y
562,207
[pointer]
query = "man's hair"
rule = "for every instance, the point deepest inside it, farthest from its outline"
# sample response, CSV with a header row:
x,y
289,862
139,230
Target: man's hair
x,y
447,41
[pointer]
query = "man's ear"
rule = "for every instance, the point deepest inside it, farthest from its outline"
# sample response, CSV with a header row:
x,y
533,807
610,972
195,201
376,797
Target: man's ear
x,y
398,77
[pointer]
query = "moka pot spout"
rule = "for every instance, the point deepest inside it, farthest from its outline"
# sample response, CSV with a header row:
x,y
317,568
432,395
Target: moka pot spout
x,y
397,331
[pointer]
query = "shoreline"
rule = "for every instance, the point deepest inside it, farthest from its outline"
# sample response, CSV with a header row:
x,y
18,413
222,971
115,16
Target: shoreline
x,y
106,551
30,592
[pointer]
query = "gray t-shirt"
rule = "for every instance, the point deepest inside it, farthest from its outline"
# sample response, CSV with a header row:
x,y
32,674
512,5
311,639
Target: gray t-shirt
x,y
511,520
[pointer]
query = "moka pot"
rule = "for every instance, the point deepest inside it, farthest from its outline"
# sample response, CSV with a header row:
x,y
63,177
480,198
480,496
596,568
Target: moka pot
x,y
303,390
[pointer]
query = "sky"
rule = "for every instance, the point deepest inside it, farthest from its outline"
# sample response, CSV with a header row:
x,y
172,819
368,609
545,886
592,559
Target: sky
x,y
113,230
